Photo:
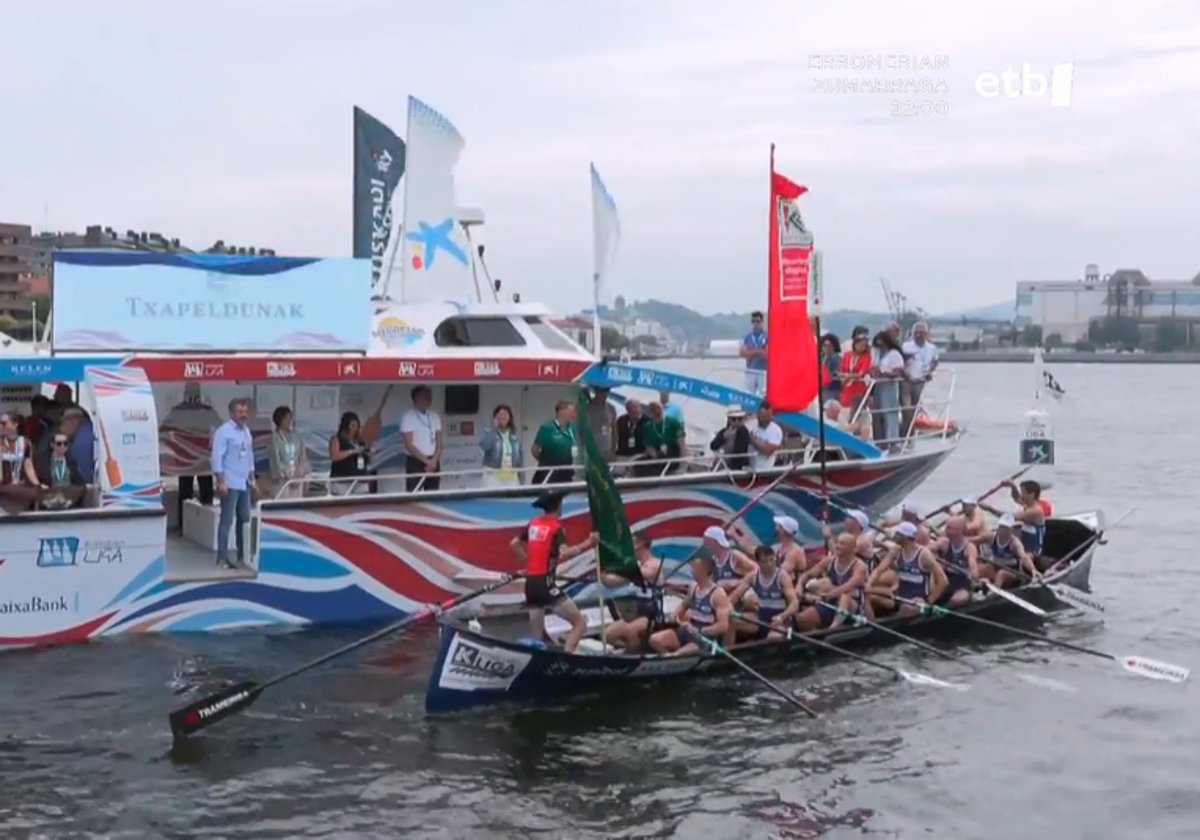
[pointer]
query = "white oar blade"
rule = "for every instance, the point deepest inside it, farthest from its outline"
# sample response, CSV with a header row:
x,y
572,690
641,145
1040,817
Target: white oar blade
x,y
1046,682
1152,669
1072,596
1013,599
933,682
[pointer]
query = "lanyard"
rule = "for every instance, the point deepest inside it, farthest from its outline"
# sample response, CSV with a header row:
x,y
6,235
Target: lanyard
x,y
59,469
569,431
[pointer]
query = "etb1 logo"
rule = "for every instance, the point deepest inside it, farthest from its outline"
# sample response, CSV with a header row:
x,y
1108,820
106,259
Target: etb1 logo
x,y
1027,82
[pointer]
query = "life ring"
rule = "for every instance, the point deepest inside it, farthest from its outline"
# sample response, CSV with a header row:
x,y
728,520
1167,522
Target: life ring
x,y
923,422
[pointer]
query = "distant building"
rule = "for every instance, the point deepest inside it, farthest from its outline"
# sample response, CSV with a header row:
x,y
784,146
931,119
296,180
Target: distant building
x,y
1067,307
578,329
15,271
641,327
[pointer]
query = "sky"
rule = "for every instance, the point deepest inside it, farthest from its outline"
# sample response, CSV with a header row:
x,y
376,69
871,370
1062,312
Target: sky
x,y
232,120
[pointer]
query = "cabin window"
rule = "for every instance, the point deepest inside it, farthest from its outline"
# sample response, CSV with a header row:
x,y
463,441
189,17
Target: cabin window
x,y
461,400
549,336
477,332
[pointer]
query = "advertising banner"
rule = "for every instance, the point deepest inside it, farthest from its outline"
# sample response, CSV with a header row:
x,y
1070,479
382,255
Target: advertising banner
x,y
142,301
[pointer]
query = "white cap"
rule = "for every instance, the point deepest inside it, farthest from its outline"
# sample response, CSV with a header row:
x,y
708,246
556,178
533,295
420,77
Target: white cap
x,y
969,500
1007,521
861,518
906,529
787,524
717,535
909,506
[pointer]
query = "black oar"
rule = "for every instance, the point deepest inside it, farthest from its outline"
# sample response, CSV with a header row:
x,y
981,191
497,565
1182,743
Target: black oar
x,y
786,695
1140,665
862,620
908,676
239,697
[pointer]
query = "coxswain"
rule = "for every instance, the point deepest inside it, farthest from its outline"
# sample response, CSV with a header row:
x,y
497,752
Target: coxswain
x,y
972,516
839,586
960,559
732,565
768,595
919,576
1030,515
1007,558
541,546
704,612
646,614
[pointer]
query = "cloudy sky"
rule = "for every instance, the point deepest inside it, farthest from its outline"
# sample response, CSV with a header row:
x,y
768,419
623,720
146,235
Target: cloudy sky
x,y
232,120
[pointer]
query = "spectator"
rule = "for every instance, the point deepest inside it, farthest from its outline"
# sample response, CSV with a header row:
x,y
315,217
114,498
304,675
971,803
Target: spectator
x,y
754,351
233,466
887,373
288,457
732,443
350,458
921,360
421,428
629,430
602,419
855,368
503,456
554,446
766,437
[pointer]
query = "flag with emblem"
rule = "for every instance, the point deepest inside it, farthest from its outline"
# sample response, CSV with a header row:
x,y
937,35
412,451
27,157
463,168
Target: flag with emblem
x,y
1051,385
615,552
378,166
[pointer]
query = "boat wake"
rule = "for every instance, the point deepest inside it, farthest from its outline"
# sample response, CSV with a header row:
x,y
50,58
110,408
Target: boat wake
x,y
1046,682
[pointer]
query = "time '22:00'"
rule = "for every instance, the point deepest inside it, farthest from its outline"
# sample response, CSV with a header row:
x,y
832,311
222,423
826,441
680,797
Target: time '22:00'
x,y
909,108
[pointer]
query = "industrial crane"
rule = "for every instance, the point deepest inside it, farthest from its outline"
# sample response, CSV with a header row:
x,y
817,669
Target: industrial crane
x,y
899,308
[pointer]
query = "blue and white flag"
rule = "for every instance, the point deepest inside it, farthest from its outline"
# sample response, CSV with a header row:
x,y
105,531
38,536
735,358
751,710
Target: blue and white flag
x,y
606,232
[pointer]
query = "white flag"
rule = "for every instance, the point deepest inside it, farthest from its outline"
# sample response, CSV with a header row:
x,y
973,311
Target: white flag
x,y
606,233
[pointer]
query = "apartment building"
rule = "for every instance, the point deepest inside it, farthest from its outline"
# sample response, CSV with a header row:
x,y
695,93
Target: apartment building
x,y
15,242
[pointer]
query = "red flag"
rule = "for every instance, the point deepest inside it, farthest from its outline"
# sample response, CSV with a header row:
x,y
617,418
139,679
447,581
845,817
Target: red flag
x,y
792,364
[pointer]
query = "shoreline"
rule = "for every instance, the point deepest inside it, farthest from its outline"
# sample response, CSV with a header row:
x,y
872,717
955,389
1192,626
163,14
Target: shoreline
x,y
1009,357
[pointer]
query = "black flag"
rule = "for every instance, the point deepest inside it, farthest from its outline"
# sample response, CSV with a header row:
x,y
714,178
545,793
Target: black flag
x,y
378,167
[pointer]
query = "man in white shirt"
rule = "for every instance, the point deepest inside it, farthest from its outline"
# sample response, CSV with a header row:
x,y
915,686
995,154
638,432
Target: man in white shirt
x,y
766,437
421,429
921,360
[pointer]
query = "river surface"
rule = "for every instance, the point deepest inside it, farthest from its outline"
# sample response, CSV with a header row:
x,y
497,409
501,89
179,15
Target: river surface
x,y
347,752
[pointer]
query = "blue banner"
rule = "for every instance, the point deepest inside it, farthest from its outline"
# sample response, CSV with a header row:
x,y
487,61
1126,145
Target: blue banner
x,y
38,370
607,375
123,301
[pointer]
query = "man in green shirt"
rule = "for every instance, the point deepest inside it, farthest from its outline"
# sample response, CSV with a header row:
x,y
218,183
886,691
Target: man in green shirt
x,y
554,446
663,438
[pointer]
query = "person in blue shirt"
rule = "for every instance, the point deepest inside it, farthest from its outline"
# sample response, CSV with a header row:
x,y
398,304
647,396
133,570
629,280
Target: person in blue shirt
x,y
671,409
233,467
754,351
78,428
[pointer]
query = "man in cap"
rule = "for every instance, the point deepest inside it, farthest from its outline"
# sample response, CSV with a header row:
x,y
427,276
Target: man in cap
x,y
789,554
541,546
919,576
733,566
1030,515
973,517
732,443
1007,558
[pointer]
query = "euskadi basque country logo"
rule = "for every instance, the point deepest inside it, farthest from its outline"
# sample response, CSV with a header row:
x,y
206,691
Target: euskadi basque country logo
x,y
58,551
792,231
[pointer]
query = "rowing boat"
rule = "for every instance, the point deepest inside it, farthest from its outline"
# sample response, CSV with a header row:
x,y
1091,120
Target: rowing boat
x,y
487,662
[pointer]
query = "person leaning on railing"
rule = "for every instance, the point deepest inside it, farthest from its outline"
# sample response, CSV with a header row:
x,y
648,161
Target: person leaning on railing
x,y
663,438
503,457
555,448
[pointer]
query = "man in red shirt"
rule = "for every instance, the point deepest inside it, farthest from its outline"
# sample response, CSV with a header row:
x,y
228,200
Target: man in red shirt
x,y
541,546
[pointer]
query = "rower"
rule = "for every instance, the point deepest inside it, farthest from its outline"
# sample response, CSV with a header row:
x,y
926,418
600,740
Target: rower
x,y
789,554
973,517
1030,514
732,565
910,512
919,577
1007,557
541,546
769,597
960,559
646,617
704,612
843,574
858,524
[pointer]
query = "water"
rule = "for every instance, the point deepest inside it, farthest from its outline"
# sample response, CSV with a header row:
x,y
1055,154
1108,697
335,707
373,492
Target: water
x,y
347,752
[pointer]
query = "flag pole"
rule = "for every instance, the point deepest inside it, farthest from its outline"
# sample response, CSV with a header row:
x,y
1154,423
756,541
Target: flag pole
x,y
814,293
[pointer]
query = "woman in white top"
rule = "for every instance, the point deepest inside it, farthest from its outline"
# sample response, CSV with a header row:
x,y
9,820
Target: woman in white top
x,y
885,394
289,460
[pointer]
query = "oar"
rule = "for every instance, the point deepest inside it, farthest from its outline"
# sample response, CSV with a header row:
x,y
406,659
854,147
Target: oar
x,y
736,516
239,697
908,676
1149,668
1072,596
987,494
862,620
786,695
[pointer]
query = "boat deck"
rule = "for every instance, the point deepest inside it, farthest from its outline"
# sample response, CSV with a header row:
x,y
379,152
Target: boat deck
x,y
188,562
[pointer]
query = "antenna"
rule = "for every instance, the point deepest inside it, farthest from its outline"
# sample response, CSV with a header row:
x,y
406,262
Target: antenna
x,y
495,284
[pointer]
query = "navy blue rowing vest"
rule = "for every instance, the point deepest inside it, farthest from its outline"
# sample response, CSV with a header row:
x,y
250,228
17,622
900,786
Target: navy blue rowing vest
x,y
913,581
700,606
771,600
1005,555
1032,537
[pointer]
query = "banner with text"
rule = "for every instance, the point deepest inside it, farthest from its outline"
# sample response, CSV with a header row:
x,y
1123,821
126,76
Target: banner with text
x,y
378,167
140,301
125,417
792,355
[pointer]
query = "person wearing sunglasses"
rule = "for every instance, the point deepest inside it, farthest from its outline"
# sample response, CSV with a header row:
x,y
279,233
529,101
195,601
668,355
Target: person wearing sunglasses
x,y
754,351
54,471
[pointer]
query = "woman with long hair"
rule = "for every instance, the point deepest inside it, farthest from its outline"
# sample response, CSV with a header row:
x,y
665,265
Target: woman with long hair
x,y
349,457
502,451
887,373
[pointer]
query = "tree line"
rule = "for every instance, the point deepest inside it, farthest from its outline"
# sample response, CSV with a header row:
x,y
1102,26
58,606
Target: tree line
x,y
1118,332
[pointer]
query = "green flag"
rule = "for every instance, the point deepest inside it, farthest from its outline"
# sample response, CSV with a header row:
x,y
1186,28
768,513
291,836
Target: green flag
x,y
608,511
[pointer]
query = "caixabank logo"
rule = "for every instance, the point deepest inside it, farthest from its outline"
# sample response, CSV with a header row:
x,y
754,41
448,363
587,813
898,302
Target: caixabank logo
x,y
34,604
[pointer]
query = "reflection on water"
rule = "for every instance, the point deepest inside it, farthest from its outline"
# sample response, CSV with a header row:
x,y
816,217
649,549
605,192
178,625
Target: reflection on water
x,y
1046,742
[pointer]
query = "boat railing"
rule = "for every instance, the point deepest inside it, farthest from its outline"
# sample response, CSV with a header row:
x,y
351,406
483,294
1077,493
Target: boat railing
x,y
929,419
696,461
